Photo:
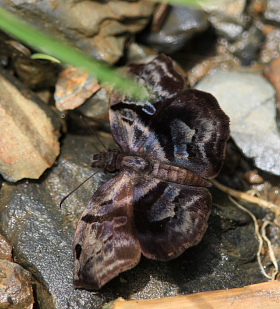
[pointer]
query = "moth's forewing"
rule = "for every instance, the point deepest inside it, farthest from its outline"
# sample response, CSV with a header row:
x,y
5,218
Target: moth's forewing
x,y
131,130
188,127
193,132
160,75
105,243
169,218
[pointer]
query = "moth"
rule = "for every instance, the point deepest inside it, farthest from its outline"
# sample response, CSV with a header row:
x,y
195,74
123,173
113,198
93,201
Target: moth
x,y
158,204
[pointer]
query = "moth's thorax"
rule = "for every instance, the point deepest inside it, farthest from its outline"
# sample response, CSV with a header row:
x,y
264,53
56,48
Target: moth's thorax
x,y
109,160
137,164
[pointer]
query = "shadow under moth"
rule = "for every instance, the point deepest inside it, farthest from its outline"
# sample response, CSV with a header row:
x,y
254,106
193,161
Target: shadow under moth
x,y
158,204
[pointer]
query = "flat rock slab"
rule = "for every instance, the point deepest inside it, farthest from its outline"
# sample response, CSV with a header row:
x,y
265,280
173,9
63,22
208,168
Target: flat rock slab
x,y
249,100
41,234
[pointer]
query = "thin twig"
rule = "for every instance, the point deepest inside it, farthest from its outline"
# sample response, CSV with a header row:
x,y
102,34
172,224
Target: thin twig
x,y
251,199
258,236
270,250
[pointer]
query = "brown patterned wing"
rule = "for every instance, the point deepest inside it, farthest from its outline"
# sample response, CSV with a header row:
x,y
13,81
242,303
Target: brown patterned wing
x,y
105,243
169,218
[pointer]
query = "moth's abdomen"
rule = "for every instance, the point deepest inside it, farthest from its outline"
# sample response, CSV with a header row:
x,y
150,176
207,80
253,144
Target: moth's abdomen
x,y
163,171
176,174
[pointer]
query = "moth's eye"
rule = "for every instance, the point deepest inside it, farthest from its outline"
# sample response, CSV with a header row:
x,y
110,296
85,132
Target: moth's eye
x,y
78,251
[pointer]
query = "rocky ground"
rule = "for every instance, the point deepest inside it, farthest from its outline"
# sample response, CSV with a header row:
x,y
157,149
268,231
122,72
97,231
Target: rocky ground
x,y
230,50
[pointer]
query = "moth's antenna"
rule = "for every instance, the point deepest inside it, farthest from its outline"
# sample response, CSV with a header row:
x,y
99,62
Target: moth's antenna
x,y
95,133
65,197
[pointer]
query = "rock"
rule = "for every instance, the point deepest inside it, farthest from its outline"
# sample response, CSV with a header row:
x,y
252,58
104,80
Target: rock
x,y
247,48
41,232
29,132
270,49
42,235
73,87
235,31
178,27
252,177
272,12
232,22
223,59
5,250
256,8
100,28
36,74
228,19
15,286
96,106
137,52
249,100
272,72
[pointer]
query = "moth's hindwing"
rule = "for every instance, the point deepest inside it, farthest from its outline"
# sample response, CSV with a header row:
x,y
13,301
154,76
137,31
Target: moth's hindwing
x,y
105,243
169,218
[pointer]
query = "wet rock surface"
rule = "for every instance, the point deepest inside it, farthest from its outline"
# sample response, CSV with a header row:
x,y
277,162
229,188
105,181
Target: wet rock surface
x,y
42,234
178,27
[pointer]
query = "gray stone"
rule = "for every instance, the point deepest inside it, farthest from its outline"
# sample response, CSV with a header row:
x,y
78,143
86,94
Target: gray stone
x,y
96,106
247,48
179,26
227,17
272,12
249,100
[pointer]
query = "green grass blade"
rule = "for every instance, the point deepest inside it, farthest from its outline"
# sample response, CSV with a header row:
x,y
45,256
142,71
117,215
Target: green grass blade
x,y
67,54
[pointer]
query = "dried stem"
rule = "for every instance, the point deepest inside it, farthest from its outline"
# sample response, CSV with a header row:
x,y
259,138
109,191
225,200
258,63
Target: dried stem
x,y
251,199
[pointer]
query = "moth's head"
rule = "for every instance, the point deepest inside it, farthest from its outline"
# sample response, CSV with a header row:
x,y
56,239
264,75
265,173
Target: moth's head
x,y
99,160
109,160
